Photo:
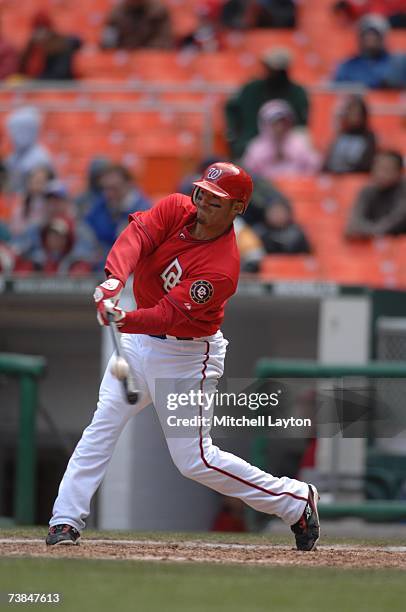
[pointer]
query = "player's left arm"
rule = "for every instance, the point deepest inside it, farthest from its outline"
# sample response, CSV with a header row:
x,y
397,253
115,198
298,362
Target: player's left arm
x,y
192,300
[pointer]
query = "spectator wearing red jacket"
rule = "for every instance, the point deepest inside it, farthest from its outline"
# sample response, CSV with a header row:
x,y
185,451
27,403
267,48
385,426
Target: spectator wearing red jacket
x,y
48,54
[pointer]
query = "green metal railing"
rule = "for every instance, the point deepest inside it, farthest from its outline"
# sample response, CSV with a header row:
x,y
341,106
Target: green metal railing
x,y
289,368
377,510
28,369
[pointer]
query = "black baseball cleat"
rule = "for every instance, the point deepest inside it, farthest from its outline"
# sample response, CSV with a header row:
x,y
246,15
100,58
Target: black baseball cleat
x,y
62,534
307,529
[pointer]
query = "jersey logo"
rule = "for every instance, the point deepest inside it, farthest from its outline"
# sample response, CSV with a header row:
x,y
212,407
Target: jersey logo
x,y
214,173
201,291
171,275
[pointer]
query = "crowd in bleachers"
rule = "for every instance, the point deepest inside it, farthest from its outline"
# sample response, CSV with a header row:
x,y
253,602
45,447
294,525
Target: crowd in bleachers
x,y
308,122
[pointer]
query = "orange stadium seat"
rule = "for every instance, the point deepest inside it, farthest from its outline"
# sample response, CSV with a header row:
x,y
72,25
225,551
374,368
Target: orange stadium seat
x,y
161,66
299,187
345,189
391,130
225,67
293,267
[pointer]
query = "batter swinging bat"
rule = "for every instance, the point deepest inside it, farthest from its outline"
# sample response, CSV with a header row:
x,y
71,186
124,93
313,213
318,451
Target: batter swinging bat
x,y
130,389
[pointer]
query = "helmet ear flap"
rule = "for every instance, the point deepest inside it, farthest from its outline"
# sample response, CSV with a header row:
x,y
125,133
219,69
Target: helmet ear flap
x,y
195,194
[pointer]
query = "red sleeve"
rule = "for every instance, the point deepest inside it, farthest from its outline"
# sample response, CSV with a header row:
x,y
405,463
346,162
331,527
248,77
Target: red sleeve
x,y
157,320
125,253
193,299
146,231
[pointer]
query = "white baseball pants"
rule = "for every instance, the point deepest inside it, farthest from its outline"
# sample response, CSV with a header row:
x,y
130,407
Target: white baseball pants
x,y
199,364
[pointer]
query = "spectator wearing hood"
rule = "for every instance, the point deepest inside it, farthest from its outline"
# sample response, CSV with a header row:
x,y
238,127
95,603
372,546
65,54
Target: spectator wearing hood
x,y
279,150
54,252
242,109
374,66
109,213
380,207
135,24
354,145
23,126
48,55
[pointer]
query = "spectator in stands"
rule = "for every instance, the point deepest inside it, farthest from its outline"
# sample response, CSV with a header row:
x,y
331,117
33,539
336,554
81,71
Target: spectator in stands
x,y
380,207
30,207
8,58
354,145
242,109
54,201
109,213
54,250
280,233
48,54
374,66
58,200
23,127
85,200
135,24
270,215
280,149
393,10
209,34
243,14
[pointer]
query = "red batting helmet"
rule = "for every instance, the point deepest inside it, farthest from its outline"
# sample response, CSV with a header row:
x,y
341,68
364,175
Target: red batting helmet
x,y
226,180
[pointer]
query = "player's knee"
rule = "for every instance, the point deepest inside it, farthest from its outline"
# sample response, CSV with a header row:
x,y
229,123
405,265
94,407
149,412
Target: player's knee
x,y
188,466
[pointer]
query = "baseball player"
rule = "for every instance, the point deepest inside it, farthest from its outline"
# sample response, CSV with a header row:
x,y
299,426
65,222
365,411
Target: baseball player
x,y
185,262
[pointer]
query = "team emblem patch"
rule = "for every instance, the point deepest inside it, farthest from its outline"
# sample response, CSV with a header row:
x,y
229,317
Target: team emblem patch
x,y
201,291
214,173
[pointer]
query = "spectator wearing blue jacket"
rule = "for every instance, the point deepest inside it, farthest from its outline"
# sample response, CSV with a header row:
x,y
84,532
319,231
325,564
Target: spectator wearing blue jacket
x,y
374,67
109,212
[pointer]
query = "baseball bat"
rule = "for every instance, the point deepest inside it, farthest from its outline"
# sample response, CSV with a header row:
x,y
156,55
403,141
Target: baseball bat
x,y
130,388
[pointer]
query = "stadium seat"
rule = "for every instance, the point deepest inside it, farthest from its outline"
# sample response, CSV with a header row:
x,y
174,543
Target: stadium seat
x,y
292,267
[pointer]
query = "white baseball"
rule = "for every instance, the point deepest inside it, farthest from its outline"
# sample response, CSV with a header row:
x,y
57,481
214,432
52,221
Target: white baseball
x,y
119,368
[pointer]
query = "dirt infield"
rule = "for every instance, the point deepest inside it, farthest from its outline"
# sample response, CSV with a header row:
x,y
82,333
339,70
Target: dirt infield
x,y
339,556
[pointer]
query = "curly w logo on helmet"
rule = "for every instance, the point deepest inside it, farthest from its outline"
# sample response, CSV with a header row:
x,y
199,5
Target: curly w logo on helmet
x,y
214,173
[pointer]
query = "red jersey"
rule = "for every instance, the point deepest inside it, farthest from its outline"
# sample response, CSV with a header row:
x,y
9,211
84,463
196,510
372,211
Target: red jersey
x,y
181,284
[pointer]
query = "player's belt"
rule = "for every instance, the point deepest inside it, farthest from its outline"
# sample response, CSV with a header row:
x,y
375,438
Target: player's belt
x,y
165,337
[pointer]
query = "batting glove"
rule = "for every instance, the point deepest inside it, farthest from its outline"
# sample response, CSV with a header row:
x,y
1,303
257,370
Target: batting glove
x,y
108,307
109,290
